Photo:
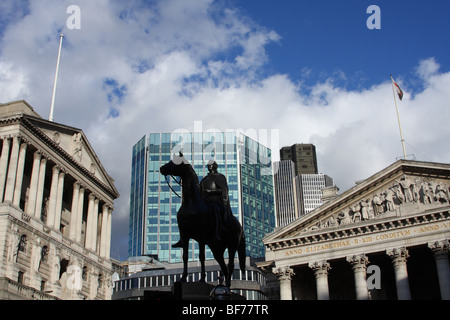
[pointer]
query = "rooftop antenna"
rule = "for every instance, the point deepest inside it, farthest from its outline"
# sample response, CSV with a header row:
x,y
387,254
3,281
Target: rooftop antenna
x,y
50,118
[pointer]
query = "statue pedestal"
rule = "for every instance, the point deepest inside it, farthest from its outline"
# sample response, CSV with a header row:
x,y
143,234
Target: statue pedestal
x,y
196,291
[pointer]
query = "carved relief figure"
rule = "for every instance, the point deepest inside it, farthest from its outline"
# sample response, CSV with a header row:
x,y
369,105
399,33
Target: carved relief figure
x,y
344,218
399,193
370,211
406,186
441,193
15,239
332,222
77,147
389,200
37,252
356,212
57,266
416,192
364,210
45,209
377,205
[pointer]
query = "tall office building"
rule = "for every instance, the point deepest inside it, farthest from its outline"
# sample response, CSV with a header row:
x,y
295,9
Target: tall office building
x,y
246,164
303,156
310,190
286,195
298,186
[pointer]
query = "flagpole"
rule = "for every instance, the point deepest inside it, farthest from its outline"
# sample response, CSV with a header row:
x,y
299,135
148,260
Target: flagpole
x,y
50,118
398,118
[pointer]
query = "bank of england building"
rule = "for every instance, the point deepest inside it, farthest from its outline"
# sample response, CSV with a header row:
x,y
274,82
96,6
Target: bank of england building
x,y
56,204
386,238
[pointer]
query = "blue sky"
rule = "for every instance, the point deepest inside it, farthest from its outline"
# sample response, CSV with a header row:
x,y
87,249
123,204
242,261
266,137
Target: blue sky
x,y
310,71
329,36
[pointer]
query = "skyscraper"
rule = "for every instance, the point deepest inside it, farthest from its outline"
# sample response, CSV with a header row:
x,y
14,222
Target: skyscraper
x,y
310,190
304,157
287,201
298,186
246,164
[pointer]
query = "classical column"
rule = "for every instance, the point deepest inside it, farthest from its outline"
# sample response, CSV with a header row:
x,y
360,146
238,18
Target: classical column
x,y
53,194
440,250
108,234
89,222
31,204
321,269
4,165
59,200
399,256
12,170
19,175
359,264
104,232
40,188
79,224
284,275
95,226
74,211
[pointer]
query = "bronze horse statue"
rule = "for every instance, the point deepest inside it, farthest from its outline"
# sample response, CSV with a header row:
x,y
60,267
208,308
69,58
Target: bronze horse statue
x,y
194,222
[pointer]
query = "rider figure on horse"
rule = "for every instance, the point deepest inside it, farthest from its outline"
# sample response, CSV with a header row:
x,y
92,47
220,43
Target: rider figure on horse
x,y
214,189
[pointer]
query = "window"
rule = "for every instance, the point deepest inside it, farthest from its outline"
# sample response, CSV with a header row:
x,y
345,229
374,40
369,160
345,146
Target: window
x,y
100,281
84,274
20,277
23,243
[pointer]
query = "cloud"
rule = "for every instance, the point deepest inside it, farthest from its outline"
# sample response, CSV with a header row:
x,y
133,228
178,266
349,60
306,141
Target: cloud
x,y
136,67
13,83
427,68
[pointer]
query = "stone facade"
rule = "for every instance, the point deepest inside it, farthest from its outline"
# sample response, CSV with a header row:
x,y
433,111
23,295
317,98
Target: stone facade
x,y
397,220
56,202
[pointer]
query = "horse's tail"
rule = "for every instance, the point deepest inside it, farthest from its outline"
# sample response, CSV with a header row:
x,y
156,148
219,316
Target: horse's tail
x,y
241,252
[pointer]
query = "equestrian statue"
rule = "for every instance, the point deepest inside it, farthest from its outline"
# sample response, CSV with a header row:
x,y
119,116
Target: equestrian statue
x,y
205,216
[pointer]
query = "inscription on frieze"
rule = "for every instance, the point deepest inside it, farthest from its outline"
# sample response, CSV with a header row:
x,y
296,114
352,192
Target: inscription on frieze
x,y
369,239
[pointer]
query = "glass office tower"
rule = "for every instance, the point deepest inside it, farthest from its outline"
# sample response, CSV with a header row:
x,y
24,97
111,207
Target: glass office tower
x,y
246,164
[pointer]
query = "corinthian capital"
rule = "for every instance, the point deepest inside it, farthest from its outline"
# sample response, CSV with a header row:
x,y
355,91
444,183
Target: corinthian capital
x,y
439,247
283,273
358,261
320,267
398,255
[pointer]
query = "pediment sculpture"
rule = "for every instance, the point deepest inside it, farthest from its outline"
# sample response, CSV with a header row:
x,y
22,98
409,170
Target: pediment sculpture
x,y
408,192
